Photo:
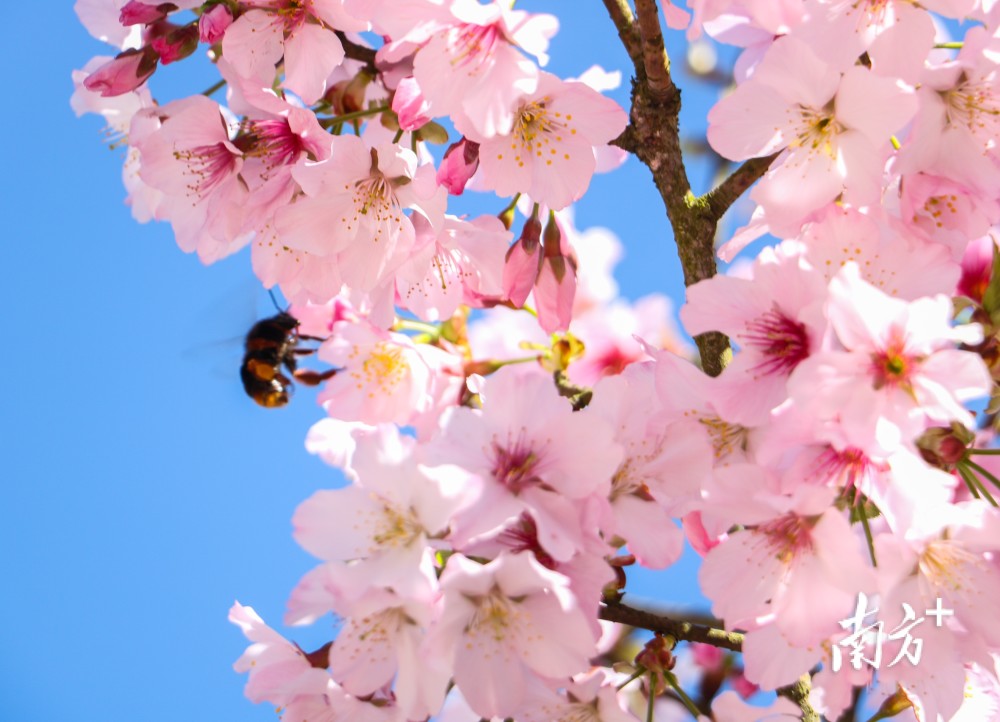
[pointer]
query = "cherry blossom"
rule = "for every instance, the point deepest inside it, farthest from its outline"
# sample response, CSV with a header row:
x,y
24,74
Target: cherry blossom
x,y
301,33
192,159
494,617
890,381
527,463
459,264
837,140
279,670
549,153
468,64
386,377
351,214
659,466
776,317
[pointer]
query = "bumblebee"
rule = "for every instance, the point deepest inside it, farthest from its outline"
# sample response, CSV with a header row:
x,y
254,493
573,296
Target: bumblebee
x,y
271,344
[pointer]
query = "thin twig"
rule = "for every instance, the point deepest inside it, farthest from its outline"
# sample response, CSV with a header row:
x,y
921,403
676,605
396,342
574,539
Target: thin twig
x,y
678,629
207,92
799,694
689,632
719,199
357,52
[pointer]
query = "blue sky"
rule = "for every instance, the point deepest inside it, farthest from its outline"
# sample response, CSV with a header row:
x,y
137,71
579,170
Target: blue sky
x,y
142,492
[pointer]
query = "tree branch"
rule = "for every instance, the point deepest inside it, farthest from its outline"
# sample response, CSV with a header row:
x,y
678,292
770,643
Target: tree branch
x,y
654,52
621,16
719,199
356,52
680,630
653,136
799,694
688,631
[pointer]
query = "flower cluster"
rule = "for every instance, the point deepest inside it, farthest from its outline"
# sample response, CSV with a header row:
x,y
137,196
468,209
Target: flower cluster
x,y
515,434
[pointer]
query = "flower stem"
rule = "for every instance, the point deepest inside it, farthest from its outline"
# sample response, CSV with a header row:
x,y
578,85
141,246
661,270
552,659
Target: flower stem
x,y
983,472
207,92
512,361
631,678
649,699
868,530
688,702
406,324
976,487
338,119
969,480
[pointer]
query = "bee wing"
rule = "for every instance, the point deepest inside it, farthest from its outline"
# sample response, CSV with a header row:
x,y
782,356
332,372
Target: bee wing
x,y
219,328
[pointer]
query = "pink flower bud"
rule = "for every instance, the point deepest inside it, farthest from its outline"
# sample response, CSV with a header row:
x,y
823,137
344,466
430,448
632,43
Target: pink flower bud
x,y
460,163
410,105
139,13
212,25
176,44
126,72
524,260
555,287
944,447
977,267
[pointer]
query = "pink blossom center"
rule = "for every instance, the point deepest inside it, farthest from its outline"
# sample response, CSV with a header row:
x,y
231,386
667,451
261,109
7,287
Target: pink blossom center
x,y
850,468
381,371
541,132
613,361
629,478
207,166
447,264
493,621
523,537
379,628
974,106
515,465
952,568
271,140
782,341
892,367
375,199
395,527
874,11
934,210
474,45
725,437
815,130
788,536
294,13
